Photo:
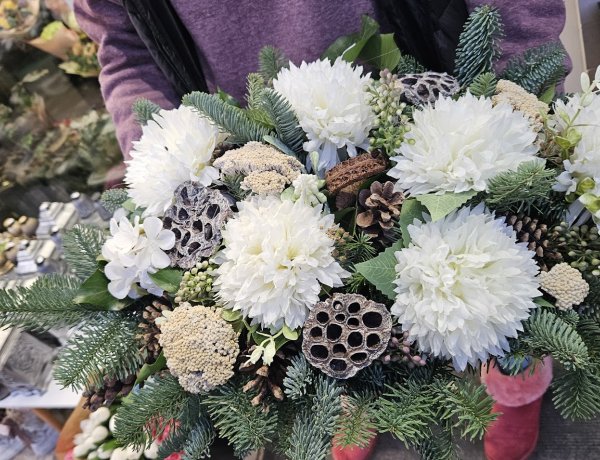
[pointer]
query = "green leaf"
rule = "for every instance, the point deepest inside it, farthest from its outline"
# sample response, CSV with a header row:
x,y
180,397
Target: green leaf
x,y
278,144
150,369
441,205
548,95
167,279
231,315
290,334
382,52
368,30
94,291
543,302
381,270
411,210
337,48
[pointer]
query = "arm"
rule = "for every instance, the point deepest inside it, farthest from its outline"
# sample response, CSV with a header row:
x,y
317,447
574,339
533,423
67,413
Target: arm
x,y
128,71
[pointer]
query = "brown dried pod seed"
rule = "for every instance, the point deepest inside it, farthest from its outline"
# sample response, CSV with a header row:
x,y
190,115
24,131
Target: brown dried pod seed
x,y
426,87
354,170
196,218
346,333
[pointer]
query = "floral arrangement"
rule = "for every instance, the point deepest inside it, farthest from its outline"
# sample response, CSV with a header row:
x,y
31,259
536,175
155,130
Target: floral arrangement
x,y
17,17
340,256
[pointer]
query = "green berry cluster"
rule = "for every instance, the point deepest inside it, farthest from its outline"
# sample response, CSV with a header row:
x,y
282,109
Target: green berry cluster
x,y
580,246
197,284
391,123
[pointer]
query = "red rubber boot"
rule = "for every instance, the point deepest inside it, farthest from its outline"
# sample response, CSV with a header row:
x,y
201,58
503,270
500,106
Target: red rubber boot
x,y
354,452
514,434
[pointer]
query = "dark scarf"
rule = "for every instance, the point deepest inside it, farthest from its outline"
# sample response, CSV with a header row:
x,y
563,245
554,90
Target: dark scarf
x,y
426,29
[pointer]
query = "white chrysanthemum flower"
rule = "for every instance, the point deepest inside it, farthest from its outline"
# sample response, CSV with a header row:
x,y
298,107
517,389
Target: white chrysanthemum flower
x,y
456,146
332,106
176,146
277,254
464,286
133,252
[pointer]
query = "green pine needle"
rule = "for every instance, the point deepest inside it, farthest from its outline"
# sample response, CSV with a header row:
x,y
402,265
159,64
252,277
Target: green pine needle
x,y
286,124
355,426
537,69
408,64
83,244
113,199
145,415
478,45
439,446
46,304
199,440
484,85
270,62
299,377
576,394
108,346
144,110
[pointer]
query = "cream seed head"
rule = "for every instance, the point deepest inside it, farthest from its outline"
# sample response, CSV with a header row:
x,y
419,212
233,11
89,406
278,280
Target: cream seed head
x,y
565,284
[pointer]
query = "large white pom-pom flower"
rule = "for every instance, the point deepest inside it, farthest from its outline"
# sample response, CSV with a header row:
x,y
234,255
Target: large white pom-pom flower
x,y
277,254
464,286
176,146
456,146
332,106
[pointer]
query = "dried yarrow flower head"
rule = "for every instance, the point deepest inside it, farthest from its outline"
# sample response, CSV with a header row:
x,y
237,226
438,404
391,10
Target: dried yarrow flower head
x,y
566,285
514,95
265,169
200,347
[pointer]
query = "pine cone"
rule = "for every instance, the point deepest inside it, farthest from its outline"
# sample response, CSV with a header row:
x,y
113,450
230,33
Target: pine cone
x,y
535,234
382,208
149,330
221,149
97,397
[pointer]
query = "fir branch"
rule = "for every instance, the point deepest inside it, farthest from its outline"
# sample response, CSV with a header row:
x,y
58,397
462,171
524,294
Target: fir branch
x,y
439,446
114,198
145,415
355,427
270,61
408,64
478,45
299,377
255,85
315,424
82,245
46,304
576,394
537,69
548,333
466,406
245,426
199,440
526,190
286,124
405,411
228,117
234,186
484,85
108,346
144,110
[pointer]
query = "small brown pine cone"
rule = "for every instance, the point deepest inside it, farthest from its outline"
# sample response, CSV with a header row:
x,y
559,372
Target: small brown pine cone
x,y
105,395
381,208
221,149
529,230
149,331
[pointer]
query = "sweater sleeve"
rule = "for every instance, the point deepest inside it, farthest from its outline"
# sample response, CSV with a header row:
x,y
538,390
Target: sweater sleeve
x,y
128,71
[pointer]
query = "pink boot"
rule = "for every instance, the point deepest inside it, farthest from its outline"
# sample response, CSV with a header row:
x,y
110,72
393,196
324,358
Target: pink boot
x,y
514,434
354,452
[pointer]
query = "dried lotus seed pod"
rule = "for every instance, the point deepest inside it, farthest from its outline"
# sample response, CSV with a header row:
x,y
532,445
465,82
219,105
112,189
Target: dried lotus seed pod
x,y
196,218
346,333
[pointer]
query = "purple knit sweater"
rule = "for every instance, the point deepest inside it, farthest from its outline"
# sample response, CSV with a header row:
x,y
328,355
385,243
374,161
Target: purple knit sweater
x,y
230,33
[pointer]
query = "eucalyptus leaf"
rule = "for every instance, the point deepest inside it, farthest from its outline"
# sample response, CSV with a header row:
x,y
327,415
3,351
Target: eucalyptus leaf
x,y
381,270
167,279
94,291
411,210
441,205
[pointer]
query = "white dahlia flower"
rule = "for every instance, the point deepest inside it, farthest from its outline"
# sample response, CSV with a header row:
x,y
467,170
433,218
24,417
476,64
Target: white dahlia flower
x,y
332,105
464,286
456,146
176,146
277,254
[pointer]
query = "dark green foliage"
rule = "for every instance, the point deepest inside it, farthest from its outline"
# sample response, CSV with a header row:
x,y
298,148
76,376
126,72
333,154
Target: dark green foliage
x,y
484,85
478,45
537,69
577,393
408,64
355,426
286,124
315,423
246,427
114,198
46,304
146,413
234,186
528,190
270,61
228,117
299,377
548,333
439,446
107,346
591,304
144,110
199,440
83,244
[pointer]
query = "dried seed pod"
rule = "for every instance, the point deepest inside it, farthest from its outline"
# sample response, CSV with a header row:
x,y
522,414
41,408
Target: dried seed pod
x,y
354,170
426,87
345,334
196,218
